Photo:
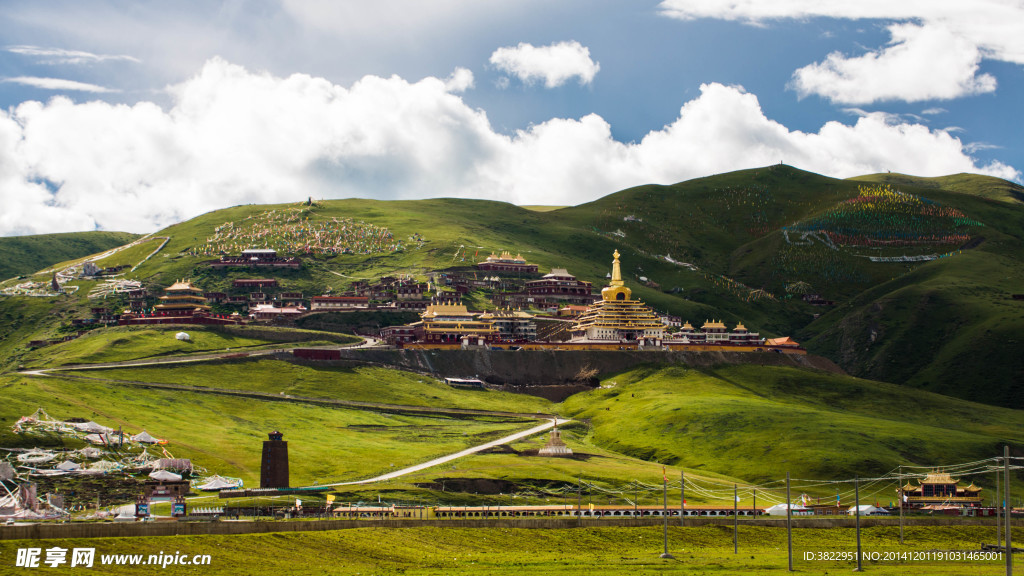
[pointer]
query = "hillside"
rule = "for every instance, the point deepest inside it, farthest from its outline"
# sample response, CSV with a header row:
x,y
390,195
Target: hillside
x,y
865,272
974,184
757,423
27,254
906,282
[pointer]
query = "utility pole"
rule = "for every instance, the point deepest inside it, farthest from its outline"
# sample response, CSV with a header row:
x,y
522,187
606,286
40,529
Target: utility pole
x,y
579,501
856,507
900,491
999,508
664,514
789,525
682,498
735,520
753,506
1009,511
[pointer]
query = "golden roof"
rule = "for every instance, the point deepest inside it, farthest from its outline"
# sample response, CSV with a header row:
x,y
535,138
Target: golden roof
x,y
616,289
739,327
939,478
713,324
182,285
687,326
972,488
445,309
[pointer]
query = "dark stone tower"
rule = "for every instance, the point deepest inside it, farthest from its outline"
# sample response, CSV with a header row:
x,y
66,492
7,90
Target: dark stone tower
x,y
274,466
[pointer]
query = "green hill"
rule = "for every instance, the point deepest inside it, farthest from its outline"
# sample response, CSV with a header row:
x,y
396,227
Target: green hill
x,y
975,184
913,281
889,257
28,254
757,423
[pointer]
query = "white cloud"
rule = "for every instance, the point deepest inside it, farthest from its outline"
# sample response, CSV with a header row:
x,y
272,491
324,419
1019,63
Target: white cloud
x,y
921,63
232,136
939,44
58,84
555,64
460,80
62,56
933,111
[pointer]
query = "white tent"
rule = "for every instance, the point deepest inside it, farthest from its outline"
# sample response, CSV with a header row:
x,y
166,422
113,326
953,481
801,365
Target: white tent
x,y
35,456
145,438
68,466
103,466
780,510
183,336
164,475
218,483
92,428
867,510
90,452
98,439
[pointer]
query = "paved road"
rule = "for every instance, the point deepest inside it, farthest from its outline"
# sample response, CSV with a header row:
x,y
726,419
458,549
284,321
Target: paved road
x,y
437,461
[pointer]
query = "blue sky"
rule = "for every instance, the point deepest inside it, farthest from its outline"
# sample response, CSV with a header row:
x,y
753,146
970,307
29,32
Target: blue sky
x,y
134,115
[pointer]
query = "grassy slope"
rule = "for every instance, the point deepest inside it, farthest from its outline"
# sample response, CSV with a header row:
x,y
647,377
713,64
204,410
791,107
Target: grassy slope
x,y
27,254
591,550
949,325
121,343
974,184
362,384
728,225
757,423
224,434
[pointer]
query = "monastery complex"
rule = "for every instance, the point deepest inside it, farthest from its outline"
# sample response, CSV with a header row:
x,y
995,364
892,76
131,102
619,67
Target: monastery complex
x,y
554,311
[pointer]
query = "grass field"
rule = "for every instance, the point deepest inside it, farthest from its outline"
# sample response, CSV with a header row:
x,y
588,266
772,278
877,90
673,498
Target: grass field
x,y
131,256
494,551
757,423
122,343
224,434
362,384
28,254
891,321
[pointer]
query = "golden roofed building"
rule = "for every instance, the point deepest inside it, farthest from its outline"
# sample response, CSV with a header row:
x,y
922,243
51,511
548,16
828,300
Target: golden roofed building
x,y
451,323
940,488
507,263
616,316
182,296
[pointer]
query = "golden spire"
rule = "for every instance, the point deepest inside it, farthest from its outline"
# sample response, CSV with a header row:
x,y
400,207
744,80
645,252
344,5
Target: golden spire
x,y
616,271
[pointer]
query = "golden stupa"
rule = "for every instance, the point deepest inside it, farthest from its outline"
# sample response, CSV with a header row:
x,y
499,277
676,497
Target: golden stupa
x,y
616,316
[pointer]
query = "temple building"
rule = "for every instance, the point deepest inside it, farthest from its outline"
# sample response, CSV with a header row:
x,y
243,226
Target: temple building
x,y
182,296
507,263
450,323
512,325
616,317
559,285
939,488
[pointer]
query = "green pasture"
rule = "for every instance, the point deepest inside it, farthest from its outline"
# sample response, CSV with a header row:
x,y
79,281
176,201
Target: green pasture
x,y
224,434
362,384
29,254
121,343
131,256
587,550
757,423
